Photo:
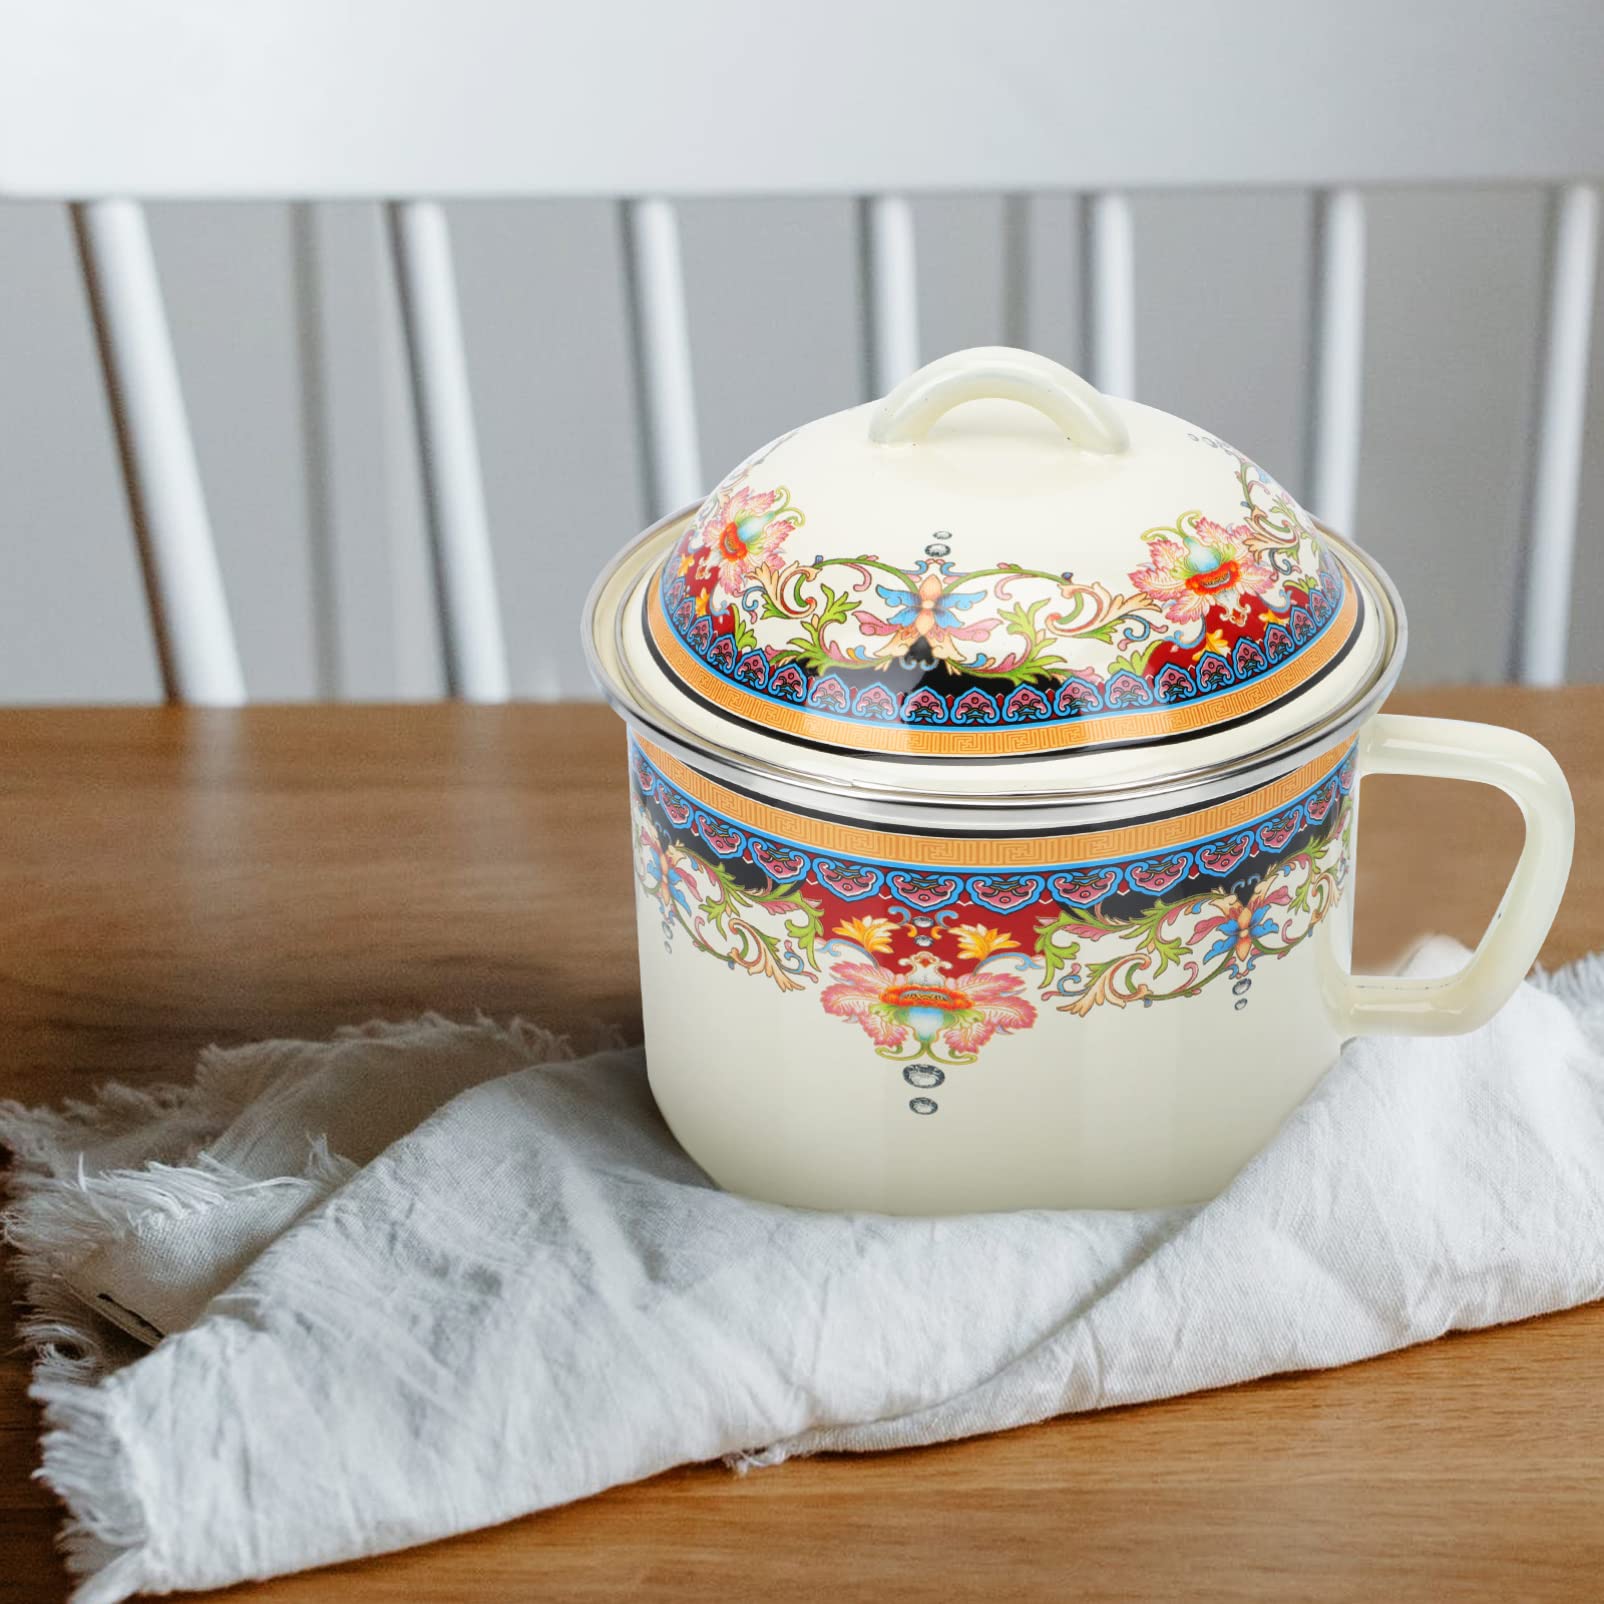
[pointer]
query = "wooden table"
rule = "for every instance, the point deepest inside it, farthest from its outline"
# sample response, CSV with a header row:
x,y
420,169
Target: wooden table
x,y
169,879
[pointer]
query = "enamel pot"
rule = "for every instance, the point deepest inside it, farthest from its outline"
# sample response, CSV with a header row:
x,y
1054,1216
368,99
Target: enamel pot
x,y
995,756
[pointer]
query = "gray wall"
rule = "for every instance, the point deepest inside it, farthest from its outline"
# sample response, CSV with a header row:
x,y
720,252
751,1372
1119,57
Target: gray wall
x,y
262,295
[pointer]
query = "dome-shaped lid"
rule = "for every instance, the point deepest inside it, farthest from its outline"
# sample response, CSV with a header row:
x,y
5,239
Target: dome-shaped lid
x,y
948,574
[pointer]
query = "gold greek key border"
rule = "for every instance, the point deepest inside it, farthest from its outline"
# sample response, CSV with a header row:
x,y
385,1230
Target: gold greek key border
x,y
1181,718
1010,852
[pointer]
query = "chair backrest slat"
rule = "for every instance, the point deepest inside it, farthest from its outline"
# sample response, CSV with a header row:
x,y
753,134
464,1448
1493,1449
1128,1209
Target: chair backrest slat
x,y
448,452
189,614
312,364
1015,249
888,259
1336,357
1556,464
665,387
304,98
1108,292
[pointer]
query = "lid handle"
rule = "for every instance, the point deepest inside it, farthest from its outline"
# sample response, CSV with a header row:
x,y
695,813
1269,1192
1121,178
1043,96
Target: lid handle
x,y
999,372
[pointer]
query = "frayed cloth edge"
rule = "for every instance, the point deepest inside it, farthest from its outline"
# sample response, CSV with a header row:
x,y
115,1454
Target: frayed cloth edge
x,y
83,1460
54,1208
746,1460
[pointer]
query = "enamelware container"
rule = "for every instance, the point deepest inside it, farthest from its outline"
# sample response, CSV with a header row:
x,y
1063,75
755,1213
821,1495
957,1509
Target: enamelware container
x,y
995,755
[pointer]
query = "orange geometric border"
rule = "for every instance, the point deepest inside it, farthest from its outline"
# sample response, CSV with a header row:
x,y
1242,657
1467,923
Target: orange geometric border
x,y
1012,852
1184,718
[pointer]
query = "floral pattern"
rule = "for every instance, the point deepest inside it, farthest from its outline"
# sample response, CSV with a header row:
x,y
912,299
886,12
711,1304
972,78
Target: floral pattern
x,y
737,530
930,612
1212,606
1201,566
933,964
1243,927
906,1014
773,933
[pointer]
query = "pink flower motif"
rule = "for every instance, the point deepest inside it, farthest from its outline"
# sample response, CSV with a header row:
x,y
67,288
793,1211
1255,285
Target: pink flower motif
x,y
996,998
964,1012
1211,566
856,995
739,528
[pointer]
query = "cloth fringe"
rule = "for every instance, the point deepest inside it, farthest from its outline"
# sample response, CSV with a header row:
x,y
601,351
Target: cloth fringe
x,y
84,1463
58,1211
81,1453
1580,986
749,1459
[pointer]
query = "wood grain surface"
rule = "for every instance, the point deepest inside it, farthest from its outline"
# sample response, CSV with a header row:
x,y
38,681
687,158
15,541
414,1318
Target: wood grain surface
x,y
172,878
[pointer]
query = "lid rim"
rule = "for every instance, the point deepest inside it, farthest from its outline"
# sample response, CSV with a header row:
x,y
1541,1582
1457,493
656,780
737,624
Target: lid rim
x,y
899,743
627,698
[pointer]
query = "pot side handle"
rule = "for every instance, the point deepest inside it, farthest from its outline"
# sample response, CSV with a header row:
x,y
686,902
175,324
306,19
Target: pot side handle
x,y
1452,749
999,372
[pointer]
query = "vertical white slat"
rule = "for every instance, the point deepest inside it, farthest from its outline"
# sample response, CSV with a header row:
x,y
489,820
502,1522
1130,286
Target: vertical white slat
x,y
665,389
1556,465
448,451
1336,358
183,583
1108,292
888,269
1016,271
312,366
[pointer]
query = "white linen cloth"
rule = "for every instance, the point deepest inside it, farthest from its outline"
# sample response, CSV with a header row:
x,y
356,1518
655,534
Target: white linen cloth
x,y
427,1277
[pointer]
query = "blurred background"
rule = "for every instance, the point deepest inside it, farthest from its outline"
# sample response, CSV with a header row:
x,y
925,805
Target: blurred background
x,y
289,343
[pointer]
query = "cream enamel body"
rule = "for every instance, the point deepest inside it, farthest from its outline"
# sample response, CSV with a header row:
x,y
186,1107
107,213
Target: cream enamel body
x,y
1132,1107
1138,1109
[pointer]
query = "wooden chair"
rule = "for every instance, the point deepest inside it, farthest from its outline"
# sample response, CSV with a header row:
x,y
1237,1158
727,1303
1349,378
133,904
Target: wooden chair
x,y
414,102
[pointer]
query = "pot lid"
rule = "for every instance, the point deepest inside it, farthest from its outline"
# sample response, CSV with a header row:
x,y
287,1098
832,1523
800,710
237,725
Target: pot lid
x,y
932,578
902,598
